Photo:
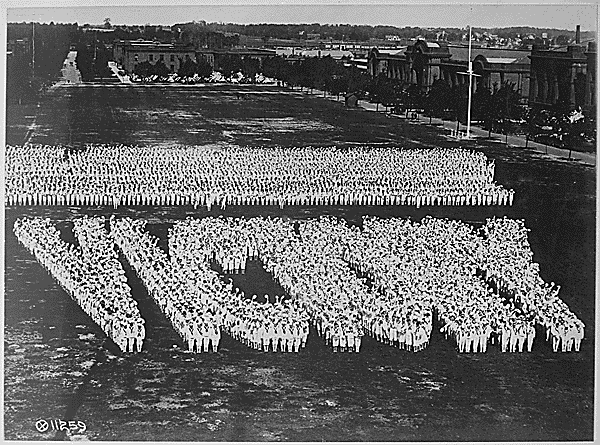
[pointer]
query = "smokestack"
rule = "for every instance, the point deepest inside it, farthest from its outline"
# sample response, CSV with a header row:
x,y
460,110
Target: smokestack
x,y
578,35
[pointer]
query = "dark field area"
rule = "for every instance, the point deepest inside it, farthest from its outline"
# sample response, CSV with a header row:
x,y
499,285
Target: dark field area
x,y
200,115
54,368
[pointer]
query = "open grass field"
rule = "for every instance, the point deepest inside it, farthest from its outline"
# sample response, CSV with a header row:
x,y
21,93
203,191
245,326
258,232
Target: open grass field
x,y
59,365
199,115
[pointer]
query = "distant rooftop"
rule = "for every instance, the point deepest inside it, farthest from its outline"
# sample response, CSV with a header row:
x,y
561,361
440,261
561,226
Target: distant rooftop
x,y
393,52
491,54
336,54
500,60
87,29
150,44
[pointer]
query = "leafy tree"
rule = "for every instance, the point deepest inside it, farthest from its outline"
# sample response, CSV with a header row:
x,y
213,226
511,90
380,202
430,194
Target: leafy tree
x,y
203,69
482,108
294,77
414,98
230,64
100,66
325,70
144,69
161,70
381,90
250,67
571,128
506,106
85,61
307,73
276,67
535,119
436,101
357,81
188,68
562,40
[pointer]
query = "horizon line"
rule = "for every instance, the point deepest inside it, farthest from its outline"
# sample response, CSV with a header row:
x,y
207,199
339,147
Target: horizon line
x,y
295,24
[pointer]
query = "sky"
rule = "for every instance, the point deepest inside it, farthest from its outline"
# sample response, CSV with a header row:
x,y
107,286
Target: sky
x,y
565,15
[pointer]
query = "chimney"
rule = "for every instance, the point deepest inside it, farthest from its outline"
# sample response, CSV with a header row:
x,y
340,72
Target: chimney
x,y
578,35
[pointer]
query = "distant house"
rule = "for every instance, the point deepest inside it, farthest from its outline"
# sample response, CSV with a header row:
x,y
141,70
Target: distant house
x,y
351,100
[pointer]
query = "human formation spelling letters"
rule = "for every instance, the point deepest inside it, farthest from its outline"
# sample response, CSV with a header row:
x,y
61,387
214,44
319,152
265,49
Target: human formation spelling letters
x,y
388,280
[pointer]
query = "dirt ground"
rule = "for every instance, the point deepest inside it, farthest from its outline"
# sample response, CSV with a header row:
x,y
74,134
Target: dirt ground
x,y
59,365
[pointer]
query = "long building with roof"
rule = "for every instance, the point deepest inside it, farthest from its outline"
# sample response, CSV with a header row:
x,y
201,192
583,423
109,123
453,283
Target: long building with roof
x,y
423,62
544,75
494,66
215,57
129,53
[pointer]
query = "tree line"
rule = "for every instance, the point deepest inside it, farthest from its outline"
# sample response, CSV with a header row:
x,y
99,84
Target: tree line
x,y
497,109
187,69
363,33
36,61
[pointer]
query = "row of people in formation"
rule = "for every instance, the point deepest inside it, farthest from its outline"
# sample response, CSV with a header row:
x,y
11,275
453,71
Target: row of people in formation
x,y
120,175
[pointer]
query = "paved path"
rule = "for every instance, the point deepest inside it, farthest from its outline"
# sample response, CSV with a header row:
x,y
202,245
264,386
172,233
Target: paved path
x,y
115,70
514,141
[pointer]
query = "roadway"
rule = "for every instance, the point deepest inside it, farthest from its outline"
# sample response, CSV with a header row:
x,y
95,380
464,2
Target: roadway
x,y
480,133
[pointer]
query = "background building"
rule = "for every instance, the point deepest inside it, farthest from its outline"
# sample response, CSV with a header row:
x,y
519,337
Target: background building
x,y
423,62
216,57
543,76
391,62
565,75
129,53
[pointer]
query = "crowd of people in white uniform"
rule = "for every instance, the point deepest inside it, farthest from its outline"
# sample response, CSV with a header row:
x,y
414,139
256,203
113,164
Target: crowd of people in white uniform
x,y
314,278
509,264
191,297
90,273
281,324
484,288
200,304
388,279
118,175
432,266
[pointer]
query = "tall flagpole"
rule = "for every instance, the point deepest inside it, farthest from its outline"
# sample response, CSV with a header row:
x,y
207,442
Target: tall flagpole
x,y
470,72
33,48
